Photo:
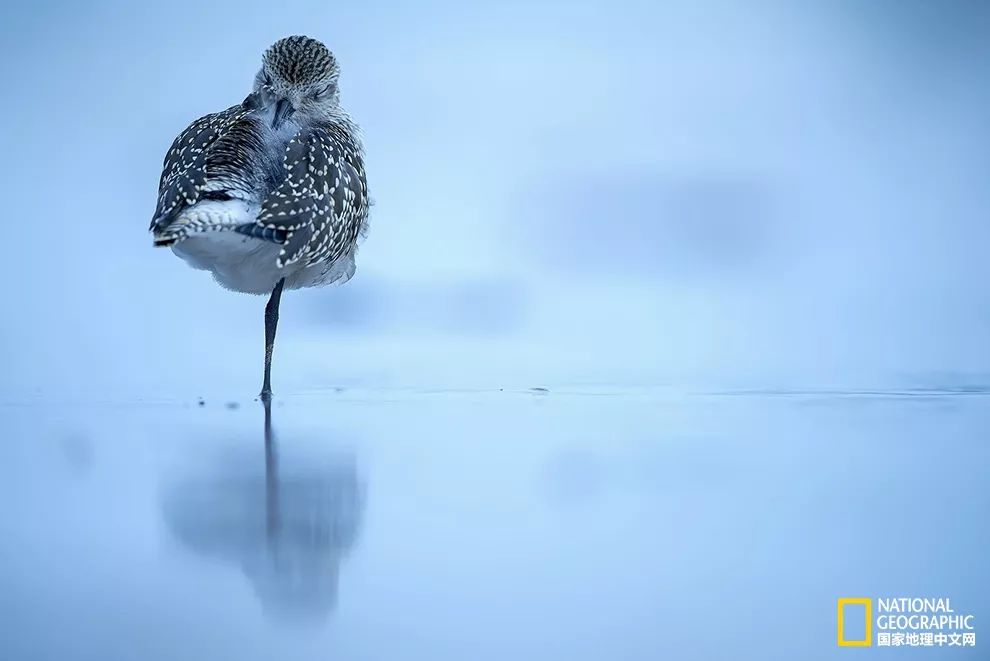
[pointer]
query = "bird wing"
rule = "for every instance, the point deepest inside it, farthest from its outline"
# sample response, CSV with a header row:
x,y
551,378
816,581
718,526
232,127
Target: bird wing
x,y
198,159
319,208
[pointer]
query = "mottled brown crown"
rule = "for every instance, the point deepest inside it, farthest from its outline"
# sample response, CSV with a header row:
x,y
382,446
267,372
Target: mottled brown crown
x,y
300,60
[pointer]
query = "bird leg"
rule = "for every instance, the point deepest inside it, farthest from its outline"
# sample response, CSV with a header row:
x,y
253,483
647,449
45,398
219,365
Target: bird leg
x,y
271,322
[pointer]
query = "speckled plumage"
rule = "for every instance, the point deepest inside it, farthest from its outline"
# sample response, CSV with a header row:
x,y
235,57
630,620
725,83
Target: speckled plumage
x,y
215,154
293,192
322,202
300,60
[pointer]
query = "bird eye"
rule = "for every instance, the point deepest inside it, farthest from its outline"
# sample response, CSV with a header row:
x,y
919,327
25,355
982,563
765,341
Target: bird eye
x,y
323,92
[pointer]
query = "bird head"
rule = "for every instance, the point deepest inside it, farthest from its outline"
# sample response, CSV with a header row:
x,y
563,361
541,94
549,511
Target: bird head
x,y
297,80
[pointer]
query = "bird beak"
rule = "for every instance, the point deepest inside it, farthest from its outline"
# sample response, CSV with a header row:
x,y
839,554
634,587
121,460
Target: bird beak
x,y
252,102
283,110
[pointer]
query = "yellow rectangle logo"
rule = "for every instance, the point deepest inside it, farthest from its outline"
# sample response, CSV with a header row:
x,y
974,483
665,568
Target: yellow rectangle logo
x,y
867,604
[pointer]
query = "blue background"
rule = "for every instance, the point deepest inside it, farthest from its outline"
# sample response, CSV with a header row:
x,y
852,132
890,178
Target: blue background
x,y
756,194
742,246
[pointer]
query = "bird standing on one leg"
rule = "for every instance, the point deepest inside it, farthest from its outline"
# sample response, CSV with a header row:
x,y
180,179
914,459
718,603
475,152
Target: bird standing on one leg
x,y
270,194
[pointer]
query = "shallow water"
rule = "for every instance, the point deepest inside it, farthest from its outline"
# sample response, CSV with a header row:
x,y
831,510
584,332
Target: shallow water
x,y
613,524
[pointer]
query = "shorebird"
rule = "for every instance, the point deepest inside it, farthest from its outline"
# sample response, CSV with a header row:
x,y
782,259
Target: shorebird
x,y
270,194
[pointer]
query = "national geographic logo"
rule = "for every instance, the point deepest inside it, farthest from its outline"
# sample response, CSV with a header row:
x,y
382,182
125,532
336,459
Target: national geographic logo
x,y
903,622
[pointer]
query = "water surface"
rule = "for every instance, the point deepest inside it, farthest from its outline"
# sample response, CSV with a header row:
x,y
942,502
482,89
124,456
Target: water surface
x,y
582,524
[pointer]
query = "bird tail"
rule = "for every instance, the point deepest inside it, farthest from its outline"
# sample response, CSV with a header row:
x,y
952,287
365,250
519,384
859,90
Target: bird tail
x,y
166,241
263,232
212,216
176,230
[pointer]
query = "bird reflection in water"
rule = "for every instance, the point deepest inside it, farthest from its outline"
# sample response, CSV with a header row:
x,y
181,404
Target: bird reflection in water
x,y
289,529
